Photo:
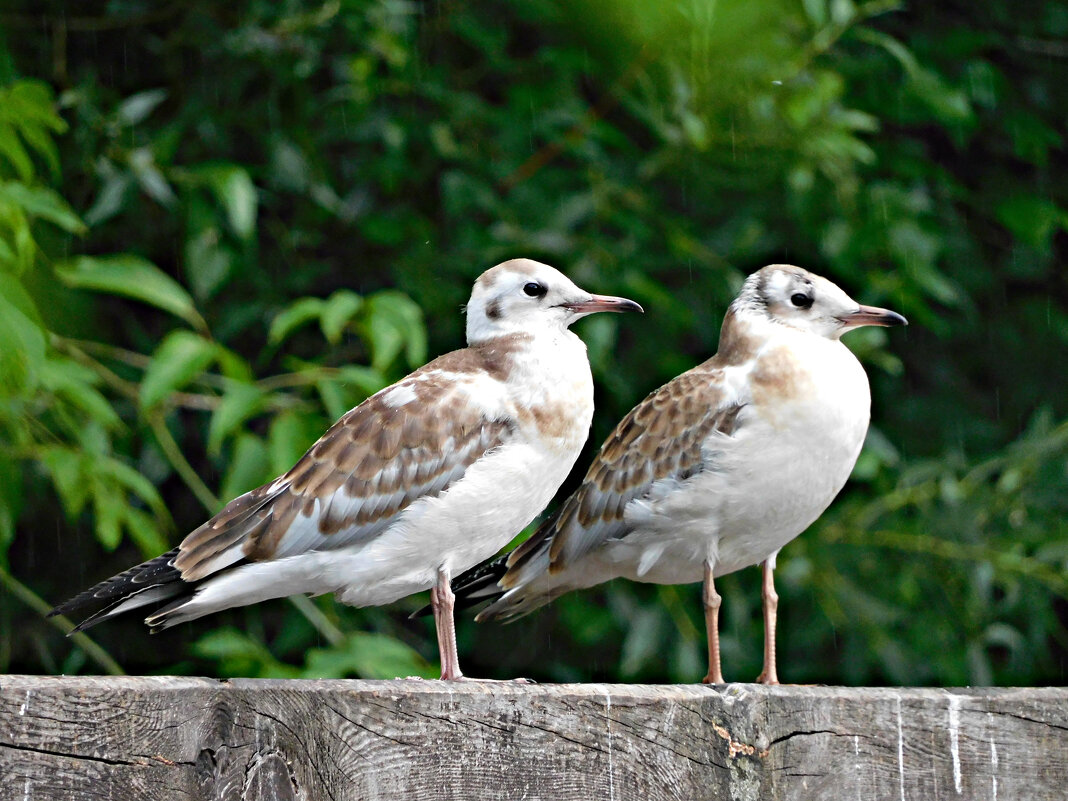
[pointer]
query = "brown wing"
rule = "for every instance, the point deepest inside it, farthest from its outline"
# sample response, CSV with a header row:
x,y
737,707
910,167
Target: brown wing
x,y
367,469
659,439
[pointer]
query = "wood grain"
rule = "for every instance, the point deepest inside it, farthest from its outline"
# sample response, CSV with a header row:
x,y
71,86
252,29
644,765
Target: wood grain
x,y
184,738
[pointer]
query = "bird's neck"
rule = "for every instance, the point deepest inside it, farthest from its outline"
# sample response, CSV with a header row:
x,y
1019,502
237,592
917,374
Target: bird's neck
x,y
740,336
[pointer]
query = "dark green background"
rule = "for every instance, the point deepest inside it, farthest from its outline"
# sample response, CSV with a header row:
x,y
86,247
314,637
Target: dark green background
x,y
302,170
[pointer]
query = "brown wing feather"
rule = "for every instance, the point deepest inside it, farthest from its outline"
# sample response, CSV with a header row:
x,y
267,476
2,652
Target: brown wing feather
x,y
368,467
659,438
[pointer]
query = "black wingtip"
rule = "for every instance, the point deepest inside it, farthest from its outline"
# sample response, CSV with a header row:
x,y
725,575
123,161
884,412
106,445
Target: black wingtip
x,y
110,593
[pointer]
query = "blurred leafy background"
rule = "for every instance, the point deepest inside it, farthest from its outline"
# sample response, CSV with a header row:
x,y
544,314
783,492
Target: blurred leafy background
x,y
223,224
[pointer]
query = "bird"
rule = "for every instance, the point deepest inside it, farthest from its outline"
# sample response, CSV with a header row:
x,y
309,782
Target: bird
x,y
422,480
716,470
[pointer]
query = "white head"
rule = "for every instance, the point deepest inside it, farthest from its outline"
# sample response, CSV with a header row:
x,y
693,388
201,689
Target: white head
x,y
525,296
797,298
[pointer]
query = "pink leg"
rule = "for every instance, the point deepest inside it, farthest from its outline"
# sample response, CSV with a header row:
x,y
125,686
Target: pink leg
x,y
712,604
771,607
442,602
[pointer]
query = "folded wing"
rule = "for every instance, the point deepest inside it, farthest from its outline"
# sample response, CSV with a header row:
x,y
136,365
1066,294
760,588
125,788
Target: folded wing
x,y
410,441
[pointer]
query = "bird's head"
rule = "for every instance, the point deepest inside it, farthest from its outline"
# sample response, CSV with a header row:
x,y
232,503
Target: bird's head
x,y
797,298
525,296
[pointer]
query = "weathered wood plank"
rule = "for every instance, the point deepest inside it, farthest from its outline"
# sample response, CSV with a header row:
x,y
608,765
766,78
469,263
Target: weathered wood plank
x,y
180,738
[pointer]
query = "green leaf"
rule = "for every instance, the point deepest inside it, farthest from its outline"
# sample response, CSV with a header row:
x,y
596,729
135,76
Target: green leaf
x,y
75,384
12,149
143,529
137,107
1032,220
369,656
132,277
109,506
392,323
41,142
816,11
334,397
31,101
890,45
22,345
234,190
299,313
10,501
240,402
180,358
237,654
65,465
142,163
248,466
233,366
338,310
110,200
15,293
41,202
948,104
129,479
208,263
366,380
22,241
290,435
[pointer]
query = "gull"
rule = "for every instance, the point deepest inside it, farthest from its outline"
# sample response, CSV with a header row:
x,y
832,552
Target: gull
x,y
424,479
716,470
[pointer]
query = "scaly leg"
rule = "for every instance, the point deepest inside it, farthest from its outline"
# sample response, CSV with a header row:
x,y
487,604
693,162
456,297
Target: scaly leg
x,y
442,601
712,603
771,607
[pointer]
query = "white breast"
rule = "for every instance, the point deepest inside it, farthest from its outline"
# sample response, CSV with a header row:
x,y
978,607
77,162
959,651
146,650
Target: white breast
x,y
766,484
551,399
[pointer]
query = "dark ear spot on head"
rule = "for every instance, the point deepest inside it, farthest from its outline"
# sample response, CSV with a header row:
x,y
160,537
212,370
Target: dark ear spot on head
x,y
493,310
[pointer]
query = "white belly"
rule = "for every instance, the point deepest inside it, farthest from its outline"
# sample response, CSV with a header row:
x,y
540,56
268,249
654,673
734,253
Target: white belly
x,y
477,517
761,488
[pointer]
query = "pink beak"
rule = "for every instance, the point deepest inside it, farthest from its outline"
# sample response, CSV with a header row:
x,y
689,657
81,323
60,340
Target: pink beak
x,y
872,315
603,303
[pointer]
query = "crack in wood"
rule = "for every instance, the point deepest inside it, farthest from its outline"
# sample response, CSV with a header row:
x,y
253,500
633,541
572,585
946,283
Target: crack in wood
x,y
314,763
67,755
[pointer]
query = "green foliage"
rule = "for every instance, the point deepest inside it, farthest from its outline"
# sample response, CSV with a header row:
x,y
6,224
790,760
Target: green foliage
x,y
52,413
369,656
205,238
133,277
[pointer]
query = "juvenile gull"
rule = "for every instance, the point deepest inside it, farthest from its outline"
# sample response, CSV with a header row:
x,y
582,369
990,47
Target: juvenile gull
x,y
422,480
716,470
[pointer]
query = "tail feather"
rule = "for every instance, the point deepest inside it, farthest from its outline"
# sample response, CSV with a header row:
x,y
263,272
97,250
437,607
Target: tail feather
x,y
149,582
480,583
139,598
129,582
526,584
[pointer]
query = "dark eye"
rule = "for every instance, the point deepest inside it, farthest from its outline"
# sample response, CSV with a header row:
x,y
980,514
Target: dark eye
x,y
801,300
534,289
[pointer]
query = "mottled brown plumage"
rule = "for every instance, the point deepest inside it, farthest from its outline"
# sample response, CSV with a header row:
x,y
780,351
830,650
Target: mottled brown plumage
x,y
667,429
366,456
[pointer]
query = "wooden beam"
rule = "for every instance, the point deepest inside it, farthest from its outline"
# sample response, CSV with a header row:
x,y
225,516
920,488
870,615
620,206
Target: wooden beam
x,y
188,738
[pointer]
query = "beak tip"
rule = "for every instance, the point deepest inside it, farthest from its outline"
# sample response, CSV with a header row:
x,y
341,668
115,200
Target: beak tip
x,y
605,303
872,315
